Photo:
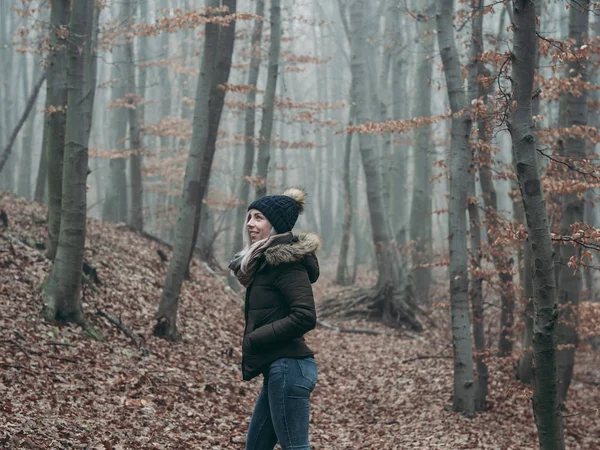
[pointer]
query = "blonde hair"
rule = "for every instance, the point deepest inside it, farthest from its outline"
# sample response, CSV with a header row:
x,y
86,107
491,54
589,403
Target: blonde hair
x,y
249,247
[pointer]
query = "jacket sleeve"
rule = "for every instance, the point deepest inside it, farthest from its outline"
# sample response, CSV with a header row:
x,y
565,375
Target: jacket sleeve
x,y
295,287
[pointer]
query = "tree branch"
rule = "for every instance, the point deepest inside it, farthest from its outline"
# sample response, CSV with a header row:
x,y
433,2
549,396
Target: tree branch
x,y
28,108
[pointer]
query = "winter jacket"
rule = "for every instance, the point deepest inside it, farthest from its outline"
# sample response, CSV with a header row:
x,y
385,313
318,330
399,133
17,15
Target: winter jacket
x,y
280,307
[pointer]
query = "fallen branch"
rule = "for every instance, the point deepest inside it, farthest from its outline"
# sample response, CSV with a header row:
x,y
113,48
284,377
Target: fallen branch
x,y
369,332
417,358
355,330
17,366
126,331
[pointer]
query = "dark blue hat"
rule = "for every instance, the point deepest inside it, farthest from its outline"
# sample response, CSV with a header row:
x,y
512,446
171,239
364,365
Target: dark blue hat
x,y
281,210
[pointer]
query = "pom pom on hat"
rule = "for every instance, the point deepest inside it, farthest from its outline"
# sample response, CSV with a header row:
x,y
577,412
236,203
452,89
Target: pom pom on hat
x,y
299,195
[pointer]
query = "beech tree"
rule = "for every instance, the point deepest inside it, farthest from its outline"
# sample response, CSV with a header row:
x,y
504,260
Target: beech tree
x,y
392,298
574,111
464,393
196,176
62,299
420,219
546,405
266,126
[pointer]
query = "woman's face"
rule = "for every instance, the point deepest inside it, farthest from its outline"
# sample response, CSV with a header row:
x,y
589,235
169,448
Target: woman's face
x,y
258,226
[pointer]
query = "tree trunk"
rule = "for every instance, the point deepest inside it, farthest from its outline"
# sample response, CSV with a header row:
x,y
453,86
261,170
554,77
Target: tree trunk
x,y
545,401
475,68
420,213
136,215
392,298
62,300
249,127
42,172
56,95
525,364
195,182
342,276
464,394
264,140
569,282
115,203
216,102
25,166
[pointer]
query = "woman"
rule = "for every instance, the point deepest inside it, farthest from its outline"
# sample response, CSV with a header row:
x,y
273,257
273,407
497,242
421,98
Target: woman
x,y
277,268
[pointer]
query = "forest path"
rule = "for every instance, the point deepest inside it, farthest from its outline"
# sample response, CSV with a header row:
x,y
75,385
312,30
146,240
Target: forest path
x,y
60,390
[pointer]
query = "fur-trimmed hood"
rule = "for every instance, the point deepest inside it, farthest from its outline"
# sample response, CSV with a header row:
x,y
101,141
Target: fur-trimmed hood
x,y
301,247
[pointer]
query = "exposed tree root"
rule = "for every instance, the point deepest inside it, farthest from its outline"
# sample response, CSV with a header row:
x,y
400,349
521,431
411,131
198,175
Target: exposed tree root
x,y
394,307
165,330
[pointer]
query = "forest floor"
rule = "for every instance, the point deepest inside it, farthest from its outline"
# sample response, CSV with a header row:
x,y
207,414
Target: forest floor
x,y
60,390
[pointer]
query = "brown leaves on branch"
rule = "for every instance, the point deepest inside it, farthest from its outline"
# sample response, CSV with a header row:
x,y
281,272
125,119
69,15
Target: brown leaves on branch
x,y
400,126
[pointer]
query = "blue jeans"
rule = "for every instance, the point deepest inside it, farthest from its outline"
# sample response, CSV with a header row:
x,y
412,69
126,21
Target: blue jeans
x,y
282,409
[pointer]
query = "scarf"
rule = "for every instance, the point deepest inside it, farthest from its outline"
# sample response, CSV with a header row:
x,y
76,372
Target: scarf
x,y
246,278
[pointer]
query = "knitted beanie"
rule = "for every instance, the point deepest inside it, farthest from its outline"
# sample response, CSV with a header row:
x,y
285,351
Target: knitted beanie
x,y
281,210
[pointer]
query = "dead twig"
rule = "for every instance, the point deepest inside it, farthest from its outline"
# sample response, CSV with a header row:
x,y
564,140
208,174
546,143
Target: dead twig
x,y
19,367
368,332
125,330
417,358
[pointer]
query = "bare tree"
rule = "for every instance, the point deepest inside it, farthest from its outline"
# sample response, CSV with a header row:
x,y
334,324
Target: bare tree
x,y
392,298
135,113
420,213
266,126
196,177
249,125
569,283
545,400
62,299
464,394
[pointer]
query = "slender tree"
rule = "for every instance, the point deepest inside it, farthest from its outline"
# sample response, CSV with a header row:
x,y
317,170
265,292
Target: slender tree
x,y
249,125
393,297
520,125
420,213
196,177
475,68
266,126
135,113
464,393
115,206
569,282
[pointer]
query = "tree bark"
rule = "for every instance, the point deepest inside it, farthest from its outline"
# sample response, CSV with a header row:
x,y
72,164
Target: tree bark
x,y
520,125
393,296
136,214
569,282
115,207
195,182
24,186
464,392
217,99
266,126
62,300
342,275
420,212
475,68
525,364
56,98
249,127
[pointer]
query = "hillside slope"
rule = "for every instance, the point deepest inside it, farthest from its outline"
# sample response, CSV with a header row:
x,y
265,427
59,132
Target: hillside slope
x,y
61,390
